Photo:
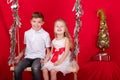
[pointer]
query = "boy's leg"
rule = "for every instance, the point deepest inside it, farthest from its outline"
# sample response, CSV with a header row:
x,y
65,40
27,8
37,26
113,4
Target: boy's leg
x,y
36,66
45,74
53,74
20,67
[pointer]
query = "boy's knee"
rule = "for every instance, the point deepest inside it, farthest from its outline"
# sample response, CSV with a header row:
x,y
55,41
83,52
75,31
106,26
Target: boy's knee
x,y
17,69
35,68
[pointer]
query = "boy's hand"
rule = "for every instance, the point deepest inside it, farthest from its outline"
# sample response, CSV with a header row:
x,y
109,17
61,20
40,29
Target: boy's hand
x,y
17,59
42,61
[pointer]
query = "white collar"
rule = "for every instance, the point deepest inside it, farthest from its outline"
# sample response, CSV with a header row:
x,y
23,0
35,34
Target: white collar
x,y
38,30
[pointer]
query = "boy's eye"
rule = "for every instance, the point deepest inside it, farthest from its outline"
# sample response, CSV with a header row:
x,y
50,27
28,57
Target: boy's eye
x,y
34,21
39,22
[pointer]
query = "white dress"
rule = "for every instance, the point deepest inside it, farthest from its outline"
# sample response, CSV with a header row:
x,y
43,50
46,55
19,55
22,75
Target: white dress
x,y
65,66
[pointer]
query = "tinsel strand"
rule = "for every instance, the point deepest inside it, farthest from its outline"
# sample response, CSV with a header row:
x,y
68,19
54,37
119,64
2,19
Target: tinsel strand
x,y
16,24
78,9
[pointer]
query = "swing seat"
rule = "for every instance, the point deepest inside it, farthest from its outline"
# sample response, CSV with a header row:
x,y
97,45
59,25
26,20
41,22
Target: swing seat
x,y
13,67
75,67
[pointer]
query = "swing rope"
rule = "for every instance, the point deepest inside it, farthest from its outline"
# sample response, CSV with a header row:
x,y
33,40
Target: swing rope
x,y
13,31
78,9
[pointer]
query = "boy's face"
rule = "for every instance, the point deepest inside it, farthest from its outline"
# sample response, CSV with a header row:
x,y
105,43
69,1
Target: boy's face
x,y
37,23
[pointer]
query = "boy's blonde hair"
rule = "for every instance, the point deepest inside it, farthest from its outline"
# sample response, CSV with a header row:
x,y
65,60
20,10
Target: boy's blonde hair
x,y
66,33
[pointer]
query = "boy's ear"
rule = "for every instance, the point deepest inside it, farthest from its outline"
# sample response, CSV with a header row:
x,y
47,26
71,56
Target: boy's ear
x,y
31,21
43,22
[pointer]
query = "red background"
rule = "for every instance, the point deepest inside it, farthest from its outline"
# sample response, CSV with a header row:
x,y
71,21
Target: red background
x,y
53,9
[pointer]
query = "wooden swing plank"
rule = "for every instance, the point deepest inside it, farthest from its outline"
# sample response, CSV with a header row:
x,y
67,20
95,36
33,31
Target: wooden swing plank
x,y
27,69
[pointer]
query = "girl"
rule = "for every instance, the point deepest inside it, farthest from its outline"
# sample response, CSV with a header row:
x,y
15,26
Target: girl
x,y
60,58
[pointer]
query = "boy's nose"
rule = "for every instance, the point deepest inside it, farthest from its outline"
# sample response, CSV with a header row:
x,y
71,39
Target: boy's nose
x,y
36,24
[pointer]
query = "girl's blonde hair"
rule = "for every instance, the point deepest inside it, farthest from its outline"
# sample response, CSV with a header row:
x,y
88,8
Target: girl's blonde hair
x,y
66,33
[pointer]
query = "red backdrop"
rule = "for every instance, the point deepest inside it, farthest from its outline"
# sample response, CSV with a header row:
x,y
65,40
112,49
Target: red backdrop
x,y
89,70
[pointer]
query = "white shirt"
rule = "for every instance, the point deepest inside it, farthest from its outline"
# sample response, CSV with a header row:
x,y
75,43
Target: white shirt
x,y
36,43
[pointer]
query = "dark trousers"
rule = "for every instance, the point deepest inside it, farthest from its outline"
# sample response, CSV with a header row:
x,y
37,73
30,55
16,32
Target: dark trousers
x,y
35,67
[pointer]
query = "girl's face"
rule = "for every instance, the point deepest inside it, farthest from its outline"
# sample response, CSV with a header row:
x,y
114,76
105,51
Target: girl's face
x,y
36,23
59,28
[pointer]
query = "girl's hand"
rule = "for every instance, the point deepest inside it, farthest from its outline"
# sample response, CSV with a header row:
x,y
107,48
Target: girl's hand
x,y
45,60
56,63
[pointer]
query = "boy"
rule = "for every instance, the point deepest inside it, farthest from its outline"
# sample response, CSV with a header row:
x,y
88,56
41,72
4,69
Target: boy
x,y
37,42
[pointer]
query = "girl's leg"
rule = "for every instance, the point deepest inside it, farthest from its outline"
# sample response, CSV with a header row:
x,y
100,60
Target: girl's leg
x,y
53,75
45,74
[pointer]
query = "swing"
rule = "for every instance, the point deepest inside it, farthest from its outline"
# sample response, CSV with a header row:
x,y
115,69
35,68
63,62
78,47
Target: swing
x,y
14,27
27,69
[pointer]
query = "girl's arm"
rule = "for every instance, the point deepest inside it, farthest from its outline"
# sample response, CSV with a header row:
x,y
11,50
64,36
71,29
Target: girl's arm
x,y
65,54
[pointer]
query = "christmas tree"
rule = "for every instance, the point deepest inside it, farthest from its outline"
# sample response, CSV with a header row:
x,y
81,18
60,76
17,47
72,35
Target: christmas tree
x,y
103,36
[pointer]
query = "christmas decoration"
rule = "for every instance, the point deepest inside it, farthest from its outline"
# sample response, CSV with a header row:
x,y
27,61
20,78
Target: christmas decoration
x,y
78,9
103,36
13,30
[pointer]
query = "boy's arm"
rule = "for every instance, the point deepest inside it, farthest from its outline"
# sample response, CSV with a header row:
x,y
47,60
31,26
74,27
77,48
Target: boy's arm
x,y
48,44
17,59
48,53
22,53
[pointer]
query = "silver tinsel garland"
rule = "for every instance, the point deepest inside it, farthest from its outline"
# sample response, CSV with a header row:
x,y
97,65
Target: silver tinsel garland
x,y
78,8
13,30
